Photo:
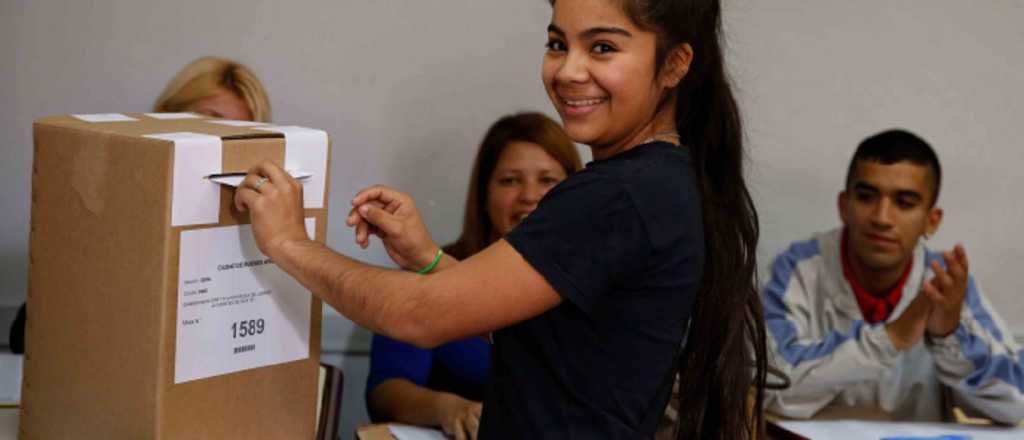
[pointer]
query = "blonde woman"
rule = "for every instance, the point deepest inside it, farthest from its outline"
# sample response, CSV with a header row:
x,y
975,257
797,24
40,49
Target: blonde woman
x,y
216,87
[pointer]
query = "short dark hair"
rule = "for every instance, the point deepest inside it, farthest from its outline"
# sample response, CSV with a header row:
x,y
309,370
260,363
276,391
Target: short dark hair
x,y
896,145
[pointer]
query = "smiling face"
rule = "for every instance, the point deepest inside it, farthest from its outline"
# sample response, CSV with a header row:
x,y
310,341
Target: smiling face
x,y
599,72
523,174
886,209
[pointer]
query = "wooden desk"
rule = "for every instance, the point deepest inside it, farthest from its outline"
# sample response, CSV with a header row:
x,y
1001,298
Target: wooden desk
x,y
374,432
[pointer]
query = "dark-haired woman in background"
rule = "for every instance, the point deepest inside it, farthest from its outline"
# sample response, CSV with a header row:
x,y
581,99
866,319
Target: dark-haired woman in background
x,y
520,158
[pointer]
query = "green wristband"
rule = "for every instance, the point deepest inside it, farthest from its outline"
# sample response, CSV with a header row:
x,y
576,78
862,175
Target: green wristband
x,y
433,264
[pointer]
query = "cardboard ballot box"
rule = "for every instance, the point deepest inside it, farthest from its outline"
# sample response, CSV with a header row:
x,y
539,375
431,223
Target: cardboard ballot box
x,y
152,314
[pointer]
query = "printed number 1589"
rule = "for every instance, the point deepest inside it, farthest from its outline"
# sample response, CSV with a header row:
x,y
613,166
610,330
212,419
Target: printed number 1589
x,y
251,327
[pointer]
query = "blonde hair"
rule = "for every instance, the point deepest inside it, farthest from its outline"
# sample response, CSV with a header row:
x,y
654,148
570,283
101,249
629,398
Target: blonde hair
x,y
202,78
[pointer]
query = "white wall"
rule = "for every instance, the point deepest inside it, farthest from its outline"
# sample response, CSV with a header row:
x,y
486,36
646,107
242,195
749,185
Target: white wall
x,y
816,78
406,89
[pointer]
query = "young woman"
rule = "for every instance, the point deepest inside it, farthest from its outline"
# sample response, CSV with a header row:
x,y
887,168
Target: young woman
x,y
590,297
216,87
520,158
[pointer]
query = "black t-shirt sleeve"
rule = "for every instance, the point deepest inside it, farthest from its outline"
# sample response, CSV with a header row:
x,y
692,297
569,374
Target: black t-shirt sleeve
x,y
584,237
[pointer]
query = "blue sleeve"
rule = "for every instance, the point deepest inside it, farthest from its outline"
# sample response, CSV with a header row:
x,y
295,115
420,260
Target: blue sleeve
x,y
980,360
468,360
463,365
390,359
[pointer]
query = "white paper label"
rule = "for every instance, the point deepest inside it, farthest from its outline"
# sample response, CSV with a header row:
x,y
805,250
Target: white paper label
x,y
236,309
10,378
306,149
194,200
408,432
184,115
105,117
235,123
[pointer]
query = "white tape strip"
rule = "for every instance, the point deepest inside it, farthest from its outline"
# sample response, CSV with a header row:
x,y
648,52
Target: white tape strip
x,y
194,200
105,117
185,115
234,123
306,149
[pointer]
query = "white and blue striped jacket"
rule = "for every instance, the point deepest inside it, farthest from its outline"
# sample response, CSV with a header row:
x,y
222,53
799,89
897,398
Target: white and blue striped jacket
x,y
817,336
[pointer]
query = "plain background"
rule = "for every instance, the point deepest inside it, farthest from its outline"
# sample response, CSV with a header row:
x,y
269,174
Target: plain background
x,y
406,89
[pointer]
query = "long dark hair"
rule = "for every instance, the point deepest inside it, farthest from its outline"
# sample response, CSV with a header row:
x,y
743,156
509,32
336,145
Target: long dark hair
x,y
722,369
535,128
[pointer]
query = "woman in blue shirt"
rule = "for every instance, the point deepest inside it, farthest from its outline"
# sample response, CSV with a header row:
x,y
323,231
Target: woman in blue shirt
x,y
520,158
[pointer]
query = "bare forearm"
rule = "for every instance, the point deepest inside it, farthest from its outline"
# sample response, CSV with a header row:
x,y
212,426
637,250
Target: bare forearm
x,y
402,401
376,298
469,298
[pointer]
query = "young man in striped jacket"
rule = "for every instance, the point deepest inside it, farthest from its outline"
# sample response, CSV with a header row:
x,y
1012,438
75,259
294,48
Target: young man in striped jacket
x,y
865,317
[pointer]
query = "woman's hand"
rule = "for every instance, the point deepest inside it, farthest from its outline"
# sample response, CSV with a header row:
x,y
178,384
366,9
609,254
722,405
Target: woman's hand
x,y
399,400
274,202
461,418
392,215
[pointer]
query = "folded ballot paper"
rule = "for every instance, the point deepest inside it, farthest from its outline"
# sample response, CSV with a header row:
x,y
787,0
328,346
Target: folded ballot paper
x,y
154,315
234,179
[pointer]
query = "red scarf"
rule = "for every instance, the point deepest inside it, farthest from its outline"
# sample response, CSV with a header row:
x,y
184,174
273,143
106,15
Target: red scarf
x,y
874,308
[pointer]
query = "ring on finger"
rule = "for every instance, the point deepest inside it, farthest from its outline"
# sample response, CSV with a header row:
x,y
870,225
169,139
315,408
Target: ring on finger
x,y
259,183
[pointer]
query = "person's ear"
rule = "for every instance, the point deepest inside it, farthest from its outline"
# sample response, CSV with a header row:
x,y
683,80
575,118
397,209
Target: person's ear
x,y
677,64
934,219
842,205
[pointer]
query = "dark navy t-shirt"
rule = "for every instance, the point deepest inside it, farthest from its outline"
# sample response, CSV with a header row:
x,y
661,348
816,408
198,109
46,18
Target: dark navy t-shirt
x,y
623,243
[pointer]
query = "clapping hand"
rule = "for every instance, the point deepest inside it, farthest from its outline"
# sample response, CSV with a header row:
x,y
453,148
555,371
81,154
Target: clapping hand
x,y
947,291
